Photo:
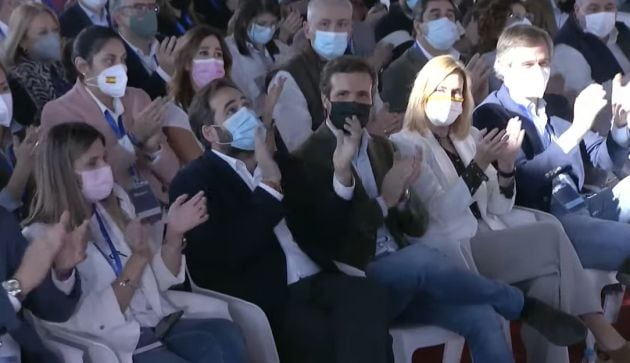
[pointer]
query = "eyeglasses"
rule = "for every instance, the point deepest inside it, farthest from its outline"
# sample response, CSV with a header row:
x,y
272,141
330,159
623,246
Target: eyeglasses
x,y
143,8
515,17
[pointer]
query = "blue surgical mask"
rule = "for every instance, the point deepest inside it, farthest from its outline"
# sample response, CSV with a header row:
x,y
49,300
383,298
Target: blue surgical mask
x,y
259,34
242,126
441,33
330,45
411,4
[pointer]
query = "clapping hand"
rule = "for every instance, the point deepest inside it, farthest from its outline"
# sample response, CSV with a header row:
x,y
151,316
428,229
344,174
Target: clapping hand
x,y
385,123
587,105
347,147
621,100
166,54
264,158
289,26
73,249
185,215
148,123
515,135
25,150
479,71
490,146
399,178
137,237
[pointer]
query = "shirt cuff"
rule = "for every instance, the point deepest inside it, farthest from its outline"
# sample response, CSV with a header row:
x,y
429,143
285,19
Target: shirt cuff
x,y
64,286
620,135
8,202
162,73
154,157
271,191
343,191
383,205
17,306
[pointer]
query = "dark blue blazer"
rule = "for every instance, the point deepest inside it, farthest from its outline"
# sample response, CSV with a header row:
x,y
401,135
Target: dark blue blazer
x,y
45,302
533,189
236,251
73,20
151,83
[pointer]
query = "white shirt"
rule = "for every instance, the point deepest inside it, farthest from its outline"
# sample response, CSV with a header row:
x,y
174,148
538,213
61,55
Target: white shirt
x,y
299,265
96,18
249,71
149,61
63,286
4,28
560,16
452,52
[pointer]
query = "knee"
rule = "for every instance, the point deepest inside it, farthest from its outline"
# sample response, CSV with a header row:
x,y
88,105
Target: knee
x,y
481,321
226,334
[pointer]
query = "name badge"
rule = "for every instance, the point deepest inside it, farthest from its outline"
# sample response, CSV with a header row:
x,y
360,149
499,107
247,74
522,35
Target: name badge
x,y
148,208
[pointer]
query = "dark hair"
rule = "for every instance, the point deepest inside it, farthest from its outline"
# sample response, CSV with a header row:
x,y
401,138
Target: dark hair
x,y
344,64
492,21
90,41
200,113
247,11
181,84
421,8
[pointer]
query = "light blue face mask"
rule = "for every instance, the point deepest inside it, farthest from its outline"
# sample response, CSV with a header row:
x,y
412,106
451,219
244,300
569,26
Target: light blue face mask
x,y
242,126
259,34
411,4
330,45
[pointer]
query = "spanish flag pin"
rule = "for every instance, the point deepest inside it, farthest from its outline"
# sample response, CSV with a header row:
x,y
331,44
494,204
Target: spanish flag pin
x,y
110,79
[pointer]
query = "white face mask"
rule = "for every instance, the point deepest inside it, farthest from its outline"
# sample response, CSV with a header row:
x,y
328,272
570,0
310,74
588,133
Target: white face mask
x,y
443,112
330,45
112,81
600,24
94,4
6,109
441,33
527,83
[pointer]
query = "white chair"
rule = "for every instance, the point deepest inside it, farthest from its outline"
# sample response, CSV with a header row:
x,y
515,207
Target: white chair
x,y
409,338
613,299
261,347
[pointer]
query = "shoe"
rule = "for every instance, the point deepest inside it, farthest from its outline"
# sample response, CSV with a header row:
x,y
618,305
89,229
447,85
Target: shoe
x,y
559,328
623,274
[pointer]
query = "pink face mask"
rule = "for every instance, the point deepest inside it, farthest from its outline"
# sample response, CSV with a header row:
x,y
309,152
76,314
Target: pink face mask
x,y
97,184
205,71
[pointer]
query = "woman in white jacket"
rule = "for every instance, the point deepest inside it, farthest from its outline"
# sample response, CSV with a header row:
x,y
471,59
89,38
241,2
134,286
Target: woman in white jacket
x,y
472,202
125,275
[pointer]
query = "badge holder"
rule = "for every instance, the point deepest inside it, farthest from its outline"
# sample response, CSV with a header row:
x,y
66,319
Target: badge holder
x,y
147,206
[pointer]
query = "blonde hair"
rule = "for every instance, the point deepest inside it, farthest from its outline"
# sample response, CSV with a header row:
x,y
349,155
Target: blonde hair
x,y
21,18
427,81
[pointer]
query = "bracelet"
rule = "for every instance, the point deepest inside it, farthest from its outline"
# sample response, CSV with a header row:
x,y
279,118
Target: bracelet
x,y
505,175
126,283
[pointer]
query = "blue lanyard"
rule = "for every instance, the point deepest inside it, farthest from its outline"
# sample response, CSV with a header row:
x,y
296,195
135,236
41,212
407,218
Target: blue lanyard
x,y
184,23
113,258
117,127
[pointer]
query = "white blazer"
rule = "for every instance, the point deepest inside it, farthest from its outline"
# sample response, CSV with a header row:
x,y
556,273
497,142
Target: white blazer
x,y
447,198
98,314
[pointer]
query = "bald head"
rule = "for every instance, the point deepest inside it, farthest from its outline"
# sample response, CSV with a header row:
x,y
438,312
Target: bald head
x,y
318,8
332,19
583,8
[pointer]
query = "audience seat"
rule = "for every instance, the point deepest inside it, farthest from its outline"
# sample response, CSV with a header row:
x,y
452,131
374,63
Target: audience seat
x,y
253,322
407,339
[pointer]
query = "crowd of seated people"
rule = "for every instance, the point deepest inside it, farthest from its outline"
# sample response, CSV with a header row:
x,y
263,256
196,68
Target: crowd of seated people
x,y
346,166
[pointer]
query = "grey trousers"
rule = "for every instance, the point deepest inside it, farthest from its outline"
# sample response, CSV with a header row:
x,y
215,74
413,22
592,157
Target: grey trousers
x,y
540,259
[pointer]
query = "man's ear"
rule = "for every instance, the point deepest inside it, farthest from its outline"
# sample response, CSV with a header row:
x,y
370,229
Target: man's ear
x,y
417,27
210,134
327,105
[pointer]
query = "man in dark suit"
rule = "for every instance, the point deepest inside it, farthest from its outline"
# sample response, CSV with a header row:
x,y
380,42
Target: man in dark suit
x,y
425,287
549,169
150,62
270,237
25,270
83,14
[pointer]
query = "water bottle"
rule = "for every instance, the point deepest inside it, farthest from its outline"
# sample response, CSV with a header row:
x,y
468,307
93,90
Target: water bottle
x,y
564,195
9,350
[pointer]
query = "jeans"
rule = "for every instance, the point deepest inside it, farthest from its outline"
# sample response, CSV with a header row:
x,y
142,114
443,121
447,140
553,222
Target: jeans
x,y
426,288
199,341
601,236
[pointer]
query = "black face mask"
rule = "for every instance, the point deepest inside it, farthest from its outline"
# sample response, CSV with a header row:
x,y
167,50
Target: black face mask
x,y
340,111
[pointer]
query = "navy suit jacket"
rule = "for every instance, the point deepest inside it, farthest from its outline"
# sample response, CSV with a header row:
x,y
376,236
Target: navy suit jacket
x,y
151,83
236,251
45,302
533,189
73,20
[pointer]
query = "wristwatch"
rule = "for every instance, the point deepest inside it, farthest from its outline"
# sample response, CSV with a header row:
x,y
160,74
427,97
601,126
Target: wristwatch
x,y
13,288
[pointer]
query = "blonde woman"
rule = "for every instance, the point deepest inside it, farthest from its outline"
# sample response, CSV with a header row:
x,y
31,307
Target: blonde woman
x,y
32,53
126,273
472,202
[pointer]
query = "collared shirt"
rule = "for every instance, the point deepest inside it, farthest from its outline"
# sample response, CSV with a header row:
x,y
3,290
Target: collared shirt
x,y
560,16
65,286
452,52
385,242
149,61
4,30
537,113
299,265
96,18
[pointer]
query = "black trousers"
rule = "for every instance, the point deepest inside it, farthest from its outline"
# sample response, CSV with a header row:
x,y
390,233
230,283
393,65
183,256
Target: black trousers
x,y
335,318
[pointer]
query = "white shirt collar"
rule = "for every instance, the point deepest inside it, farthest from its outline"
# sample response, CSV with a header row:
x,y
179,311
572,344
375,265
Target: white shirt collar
x,y
452,52
535,111
95,18
4,28
118,110
152,51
